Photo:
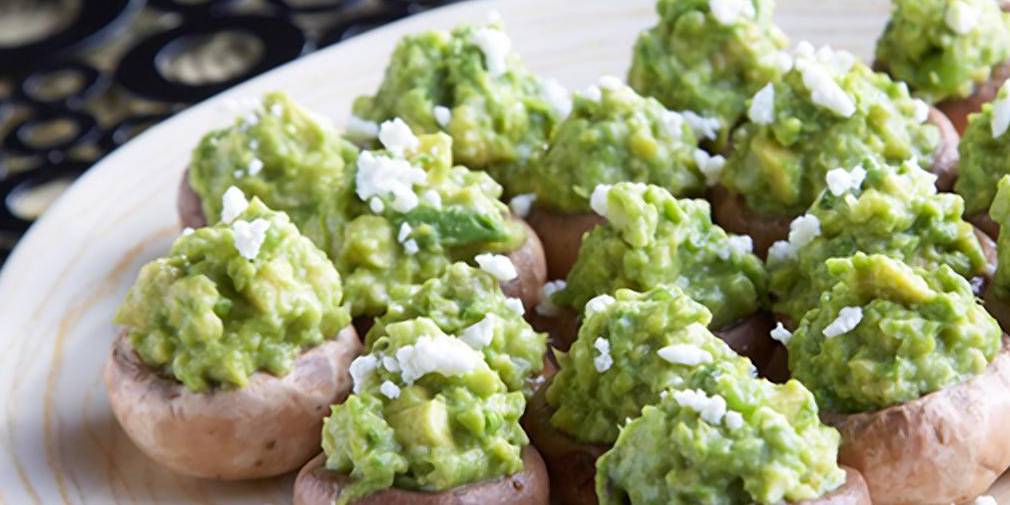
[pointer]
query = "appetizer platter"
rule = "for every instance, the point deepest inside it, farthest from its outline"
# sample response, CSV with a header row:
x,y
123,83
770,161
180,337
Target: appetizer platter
x,y
660,251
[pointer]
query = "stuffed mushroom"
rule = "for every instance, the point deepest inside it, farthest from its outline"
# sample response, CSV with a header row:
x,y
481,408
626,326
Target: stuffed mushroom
x,y
984,150
234,346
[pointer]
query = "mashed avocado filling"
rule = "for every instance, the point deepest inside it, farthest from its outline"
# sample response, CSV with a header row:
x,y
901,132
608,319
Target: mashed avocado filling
x,y
875,208
427,413
943,48
617,136
829,111
887,333
652,238
1001,214
232,299
388,219
631,348
709,58
467,302
985,154
470,85
724,438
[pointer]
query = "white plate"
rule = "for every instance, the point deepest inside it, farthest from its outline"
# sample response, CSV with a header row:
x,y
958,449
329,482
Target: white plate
x,y
58,291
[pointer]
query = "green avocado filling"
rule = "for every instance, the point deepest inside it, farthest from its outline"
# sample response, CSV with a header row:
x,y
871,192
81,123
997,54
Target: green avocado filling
x,y
894,211
943,48
467,302
887,333
727,439
470,85
387,220
618,136
631,347
709,61
985,156
1001,214
651,239
829,111
427,413
233,299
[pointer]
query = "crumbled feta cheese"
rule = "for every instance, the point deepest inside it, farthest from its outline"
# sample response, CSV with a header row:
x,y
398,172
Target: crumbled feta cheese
x,y
431,197
703,127
610,82
498,265
397,137
442,115
521,204
375,205
405,230
710,166
444,355
838,60
392,391
546,307
710,408
249,237
961,17
1001,112
734,420
479,334
361,368
824,91
357,127
847,320
737,244
673,123
557,96
684,354
920,111
390,364
782,61
251,119
803,230
726,12
840,180
599,303
592,93
515,305
985,500
762,106
276,110
233,203
603,361
410,247
238,174
187,231
496,46
255,166
781,334
380,175
780,251
598,200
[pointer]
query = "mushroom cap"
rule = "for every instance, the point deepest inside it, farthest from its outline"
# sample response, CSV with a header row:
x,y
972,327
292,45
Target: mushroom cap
x,y
561,235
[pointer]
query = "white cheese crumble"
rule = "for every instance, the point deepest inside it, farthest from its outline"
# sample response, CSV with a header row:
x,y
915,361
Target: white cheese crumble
x,y
390,364
985,500
255,166
598,200
592,93
515,305
603,361
1001,112
397,137
546,307
521,204
840,180
920,111
824,91
737,244
734,420
496,46
782,61
557,96
410,247
726,12
779,251
392,391
479,334
847,320
703,127
498,265
363,128
672,122
762,106
442,115
361,368
431,197
187,231
379,175
405,230
781,334
249,237
684,354
710,408
443,355
803,230
709,166
375,205
599,303
233,203
610,82
961,17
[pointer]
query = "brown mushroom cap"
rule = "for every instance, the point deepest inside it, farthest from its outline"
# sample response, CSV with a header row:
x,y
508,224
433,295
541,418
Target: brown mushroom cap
x,y
189,205
269,427
958,109
945,157
984,222
946,447
561,235
316,485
